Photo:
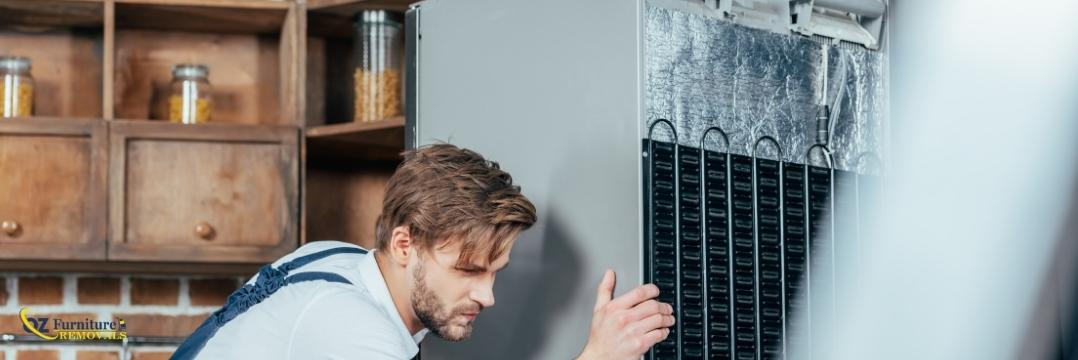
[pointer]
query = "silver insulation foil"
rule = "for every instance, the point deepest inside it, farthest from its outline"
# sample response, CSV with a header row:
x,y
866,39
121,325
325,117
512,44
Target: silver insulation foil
x,y
704,72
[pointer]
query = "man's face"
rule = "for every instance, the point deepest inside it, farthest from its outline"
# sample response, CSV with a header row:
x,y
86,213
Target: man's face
x,y
447,296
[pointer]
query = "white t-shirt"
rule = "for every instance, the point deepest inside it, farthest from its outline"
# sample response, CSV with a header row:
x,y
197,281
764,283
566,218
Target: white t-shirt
x,y
320,319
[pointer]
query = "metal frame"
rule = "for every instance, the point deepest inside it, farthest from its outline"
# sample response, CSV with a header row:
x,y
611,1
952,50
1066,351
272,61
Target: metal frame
x,y
729,239
411,70
756,244
677,218
809,235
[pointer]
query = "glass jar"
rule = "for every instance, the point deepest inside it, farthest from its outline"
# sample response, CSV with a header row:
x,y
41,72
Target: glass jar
x,y
378,69
190,101
16,87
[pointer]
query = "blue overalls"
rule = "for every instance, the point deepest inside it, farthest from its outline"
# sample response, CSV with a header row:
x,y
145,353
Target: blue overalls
x,y
268,282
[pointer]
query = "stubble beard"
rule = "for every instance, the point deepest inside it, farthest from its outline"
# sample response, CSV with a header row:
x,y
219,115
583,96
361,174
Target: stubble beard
x,y
428,307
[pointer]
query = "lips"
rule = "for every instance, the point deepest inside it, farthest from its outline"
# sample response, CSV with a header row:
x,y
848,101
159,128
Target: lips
x,y
470,316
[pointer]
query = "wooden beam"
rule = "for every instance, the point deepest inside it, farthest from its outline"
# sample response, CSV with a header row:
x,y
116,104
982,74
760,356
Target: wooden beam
x,y
109,74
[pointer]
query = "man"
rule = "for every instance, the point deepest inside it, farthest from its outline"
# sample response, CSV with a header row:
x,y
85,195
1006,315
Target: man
x,y
448,224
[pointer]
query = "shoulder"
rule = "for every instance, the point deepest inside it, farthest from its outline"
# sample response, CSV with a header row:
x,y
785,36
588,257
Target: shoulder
x,y
316,247
346,303
346,323
342,264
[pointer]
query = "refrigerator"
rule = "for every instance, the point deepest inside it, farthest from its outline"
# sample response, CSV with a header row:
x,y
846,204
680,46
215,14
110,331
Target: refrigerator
x,y
719,149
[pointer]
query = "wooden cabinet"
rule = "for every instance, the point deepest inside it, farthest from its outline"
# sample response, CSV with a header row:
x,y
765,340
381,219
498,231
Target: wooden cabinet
x,y
52,182
130,192
212,193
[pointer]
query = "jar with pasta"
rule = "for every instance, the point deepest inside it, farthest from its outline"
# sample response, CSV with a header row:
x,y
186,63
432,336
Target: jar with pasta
x,y
16,87
190,101
379,60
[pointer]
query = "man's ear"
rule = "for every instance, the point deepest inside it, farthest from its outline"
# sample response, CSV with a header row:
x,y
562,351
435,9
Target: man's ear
x,y
401,245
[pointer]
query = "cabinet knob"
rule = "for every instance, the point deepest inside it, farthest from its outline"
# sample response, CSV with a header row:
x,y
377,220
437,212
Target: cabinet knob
x,y
204,231
9,227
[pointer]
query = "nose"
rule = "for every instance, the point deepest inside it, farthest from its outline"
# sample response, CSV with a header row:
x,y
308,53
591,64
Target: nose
x,y
484,295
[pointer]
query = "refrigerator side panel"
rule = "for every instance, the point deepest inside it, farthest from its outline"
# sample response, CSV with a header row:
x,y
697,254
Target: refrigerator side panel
x,y
551,91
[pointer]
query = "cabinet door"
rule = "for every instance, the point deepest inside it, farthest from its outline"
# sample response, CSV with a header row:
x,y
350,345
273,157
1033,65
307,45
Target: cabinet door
x,y
52,186
203,193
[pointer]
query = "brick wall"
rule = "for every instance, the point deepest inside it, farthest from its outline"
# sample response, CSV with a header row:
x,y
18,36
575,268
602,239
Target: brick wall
x,y
150,305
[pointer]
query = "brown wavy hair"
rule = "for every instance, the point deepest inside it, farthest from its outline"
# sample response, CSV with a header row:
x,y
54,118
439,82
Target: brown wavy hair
x,y
445,194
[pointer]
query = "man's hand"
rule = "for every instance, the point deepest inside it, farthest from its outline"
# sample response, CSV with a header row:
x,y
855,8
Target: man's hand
x,y
626,327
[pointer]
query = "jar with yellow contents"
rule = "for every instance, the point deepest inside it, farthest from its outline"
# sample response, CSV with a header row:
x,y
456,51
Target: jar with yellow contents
x,y
190,101
16,87
378,61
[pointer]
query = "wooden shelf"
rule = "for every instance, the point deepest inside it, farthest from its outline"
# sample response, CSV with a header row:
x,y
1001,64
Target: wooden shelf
x,y
220,16
51,13
239,129
249,4
381,133
380,141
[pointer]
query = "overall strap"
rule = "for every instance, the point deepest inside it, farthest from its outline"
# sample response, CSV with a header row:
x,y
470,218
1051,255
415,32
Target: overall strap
x,y
267,283
306,259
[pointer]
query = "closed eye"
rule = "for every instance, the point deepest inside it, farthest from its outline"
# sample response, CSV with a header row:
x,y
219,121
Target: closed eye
x,y
471,270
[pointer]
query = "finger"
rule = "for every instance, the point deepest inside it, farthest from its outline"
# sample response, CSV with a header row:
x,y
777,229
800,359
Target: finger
x,y
654,337
648,308
606,289
657,321
636,296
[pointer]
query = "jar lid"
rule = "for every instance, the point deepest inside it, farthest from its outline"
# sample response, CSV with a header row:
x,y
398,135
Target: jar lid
x,y
14,63
190,70
368,17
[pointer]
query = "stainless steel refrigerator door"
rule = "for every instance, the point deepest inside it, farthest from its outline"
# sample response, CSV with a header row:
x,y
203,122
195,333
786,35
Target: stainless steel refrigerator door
x,y
551,90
